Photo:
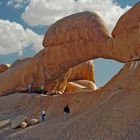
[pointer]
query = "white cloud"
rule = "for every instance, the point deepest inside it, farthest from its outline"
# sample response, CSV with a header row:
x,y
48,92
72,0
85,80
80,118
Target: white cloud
x,y
46,12
14,38
17,3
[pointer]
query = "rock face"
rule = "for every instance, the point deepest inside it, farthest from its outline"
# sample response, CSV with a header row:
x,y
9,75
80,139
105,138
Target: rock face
x,y
17,77
74,44
126,35
4,67
67,32
81,77
83,71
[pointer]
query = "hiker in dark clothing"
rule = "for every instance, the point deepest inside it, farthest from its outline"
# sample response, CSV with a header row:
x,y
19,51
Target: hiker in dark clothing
x,y
66,112
43,115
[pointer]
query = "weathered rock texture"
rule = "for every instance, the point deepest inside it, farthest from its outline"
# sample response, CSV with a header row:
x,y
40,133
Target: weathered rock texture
x,y
83,71
81,77
66,45
126,41
15,78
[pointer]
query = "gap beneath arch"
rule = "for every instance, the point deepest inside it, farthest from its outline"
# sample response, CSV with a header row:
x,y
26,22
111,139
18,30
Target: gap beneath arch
x,y
105,69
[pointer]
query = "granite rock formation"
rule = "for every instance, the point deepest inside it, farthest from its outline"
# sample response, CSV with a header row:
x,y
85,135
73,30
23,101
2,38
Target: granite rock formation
x,y
111,112
66,46
126,35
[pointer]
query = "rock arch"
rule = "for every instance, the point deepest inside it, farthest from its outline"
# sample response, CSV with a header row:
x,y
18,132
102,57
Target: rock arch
x,y
71,41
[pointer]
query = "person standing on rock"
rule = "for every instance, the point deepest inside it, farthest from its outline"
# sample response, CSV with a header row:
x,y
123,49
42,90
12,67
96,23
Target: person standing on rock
x,y
42,89
43,115
29,88
66,112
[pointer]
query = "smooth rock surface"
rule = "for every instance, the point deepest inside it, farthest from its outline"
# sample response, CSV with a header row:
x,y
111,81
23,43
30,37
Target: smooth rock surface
x,y
18,120
33,121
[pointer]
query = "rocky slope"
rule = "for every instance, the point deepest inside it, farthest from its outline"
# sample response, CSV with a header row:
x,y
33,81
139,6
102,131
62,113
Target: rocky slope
x,y
111,112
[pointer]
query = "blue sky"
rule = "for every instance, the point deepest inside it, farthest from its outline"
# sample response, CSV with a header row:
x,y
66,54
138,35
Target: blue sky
x,y
24,22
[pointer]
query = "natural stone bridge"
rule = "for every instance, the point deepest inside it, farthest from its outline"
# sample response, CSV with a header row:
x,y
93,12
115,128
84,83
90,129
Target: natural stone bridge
x,y
71,41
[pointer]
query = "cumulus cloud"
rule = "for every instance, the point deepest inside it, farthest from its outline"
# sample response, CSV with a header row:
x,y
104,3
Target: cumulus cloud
x,y
14,38
17,3
46,12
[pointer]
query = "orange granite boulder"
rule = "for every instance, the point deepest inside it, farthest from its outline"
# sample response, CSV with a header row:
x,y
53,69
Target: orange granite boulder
x,y
4,67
